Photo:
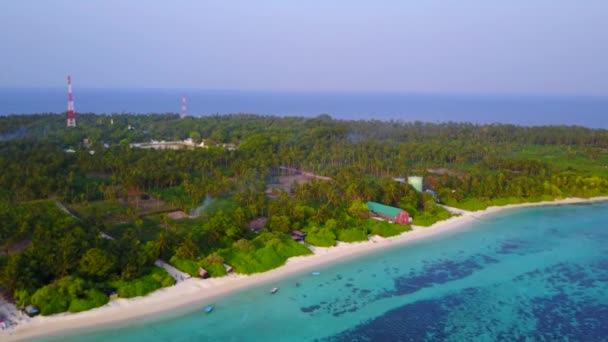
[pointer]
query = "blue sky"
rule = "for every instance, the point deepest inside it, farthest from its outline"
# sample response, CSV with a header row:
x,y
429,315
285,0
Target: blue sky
x,y
431,46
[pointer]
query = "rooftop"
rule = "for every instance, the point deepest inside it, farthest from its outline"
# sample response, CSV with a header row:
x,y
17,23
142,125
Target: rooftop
x,y
383,209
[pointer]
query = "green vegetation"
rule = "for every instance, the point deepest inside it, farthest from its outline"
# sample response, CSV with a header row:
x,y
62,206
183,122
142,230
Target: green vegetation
x,y
93,298
321,236
143,285
352,235
225,205
426,219
67,294
266,251
214,264
185,265
471,204
128,193
175,195
385,229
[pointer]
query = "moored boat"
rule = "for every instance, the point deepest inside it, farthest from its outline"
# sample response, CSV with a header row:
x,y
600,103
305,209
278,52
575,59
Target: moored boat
x,y
274,290
209,308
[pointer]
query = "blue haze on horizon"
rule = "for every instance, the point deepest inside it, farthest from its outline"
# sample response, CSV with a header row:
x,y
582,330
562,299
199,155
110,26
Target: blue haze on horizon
x,y
408,107
470,46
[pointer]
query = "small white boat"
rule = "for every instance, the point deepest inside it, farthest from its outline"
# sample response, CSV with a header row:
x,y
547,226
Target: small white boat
x,y
316,273
209,308
274,290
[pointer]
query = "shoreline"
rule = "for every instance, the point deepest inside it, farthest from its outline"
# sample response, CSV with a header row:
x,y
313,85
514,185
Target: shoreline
x,y
195,291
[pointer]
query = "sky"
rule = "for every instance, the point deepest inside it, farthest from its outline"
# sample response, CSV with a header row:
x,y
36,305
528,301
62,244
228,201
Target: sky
x,y
431,46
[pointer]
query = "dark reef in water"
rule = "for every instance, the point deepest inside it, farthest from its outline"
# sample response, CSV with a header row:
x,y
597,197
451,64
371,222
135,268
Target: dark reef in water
x,y
440,272
568,311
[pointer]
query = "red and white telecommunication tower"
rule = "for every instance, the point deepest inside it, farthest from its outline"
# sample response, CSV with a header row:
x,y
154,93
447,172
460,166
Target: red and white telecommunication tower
x,y
71,114
183,107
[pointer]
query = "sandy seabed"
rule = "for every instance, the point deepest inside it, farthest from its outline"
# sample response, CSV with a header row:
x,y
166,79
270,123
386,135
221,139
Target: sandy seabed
x,y
198,291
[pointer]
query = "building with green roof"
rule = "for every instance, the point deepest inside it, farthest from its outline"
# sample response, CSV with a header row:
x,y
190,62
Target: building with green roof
x,y
393,214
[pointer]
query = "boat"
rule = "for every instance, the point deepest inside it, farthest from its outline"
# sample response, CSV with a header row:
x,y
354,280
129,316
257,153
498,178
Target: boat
x,y
274,290
209,308
316,273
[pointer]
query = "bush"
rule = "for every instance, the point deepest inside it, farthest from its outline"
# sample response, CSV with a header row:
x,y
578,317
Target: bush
x,y
51,299
322,237
359,210
141,286
386,229
425,219
272,249
214,263
352,235
22,297
162,276
93,299
185,265
67,293
215,270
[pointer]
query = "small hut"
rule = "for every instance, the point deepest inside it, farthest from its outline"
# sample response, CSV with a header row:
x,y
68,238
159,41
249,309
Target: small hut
x,y
203,273
31,310
228,268
257,224
297,235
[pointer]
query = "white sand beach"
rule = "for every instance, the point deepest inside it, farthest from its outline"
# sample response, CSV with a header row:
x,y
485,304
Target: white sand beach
x,y
194,291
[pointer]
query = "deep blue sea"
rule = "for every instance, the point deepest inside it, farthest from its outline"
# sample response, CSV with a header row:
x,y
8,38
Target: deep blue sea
x,y
535,274
514,109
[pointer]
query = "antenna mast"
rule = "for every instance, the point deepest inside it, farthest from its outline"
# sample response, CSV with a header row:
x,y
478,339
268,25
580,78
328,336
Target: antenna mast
x,y
183,107
71,114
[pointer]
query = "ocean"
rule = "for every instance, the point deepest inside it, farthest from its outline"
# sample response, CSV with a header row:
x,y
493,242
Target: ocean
x,y
528,110
533,274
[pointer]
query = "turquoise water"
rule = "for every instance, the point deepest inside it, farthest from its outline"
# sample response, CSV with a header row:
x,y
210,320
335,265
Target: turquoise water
x,y
527,274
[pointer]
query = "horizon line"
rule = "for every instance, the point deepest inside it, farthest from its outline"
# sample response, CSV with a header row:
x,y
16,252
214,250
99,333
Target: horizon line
x,y
321,92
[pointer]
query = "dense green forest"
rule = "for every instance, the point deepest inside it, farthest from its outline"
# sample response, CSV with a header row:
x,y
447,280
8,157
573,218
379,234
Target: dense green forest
x,y
85,213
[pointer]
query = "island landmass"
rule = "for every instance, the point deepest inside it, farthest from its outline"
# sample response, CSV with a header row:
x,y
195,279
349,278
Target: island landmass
x,y
125,205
